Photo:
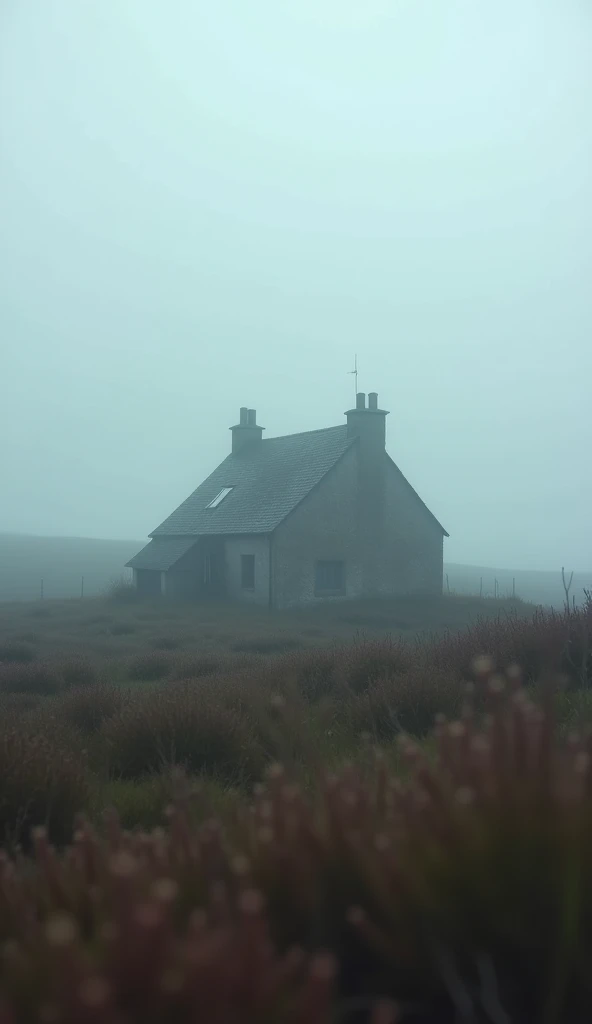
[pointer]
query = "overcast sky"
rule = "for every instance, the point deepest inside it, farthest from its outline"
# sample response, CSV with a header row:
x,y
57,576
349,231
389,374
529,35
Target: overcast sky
x,y
212,204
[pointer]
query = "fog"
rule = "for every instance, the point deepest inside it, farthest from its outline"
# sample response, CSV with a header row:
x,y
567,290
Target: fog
x,y
209,205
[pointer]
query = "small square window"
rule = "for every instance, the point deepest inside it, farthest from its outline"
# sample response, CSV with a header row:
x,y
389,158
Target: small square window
x,y
330,578
219,497
248,572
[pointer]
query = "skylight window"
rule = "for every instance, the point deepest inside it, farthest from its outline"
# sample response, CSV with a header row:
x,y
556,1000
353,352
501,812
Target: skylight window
x,y
219,497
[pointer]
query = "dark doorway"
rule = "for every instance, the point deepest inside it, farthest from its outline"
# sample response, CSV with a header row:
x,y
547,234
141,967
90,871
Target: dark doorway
x,y
248,572
212,569
200,574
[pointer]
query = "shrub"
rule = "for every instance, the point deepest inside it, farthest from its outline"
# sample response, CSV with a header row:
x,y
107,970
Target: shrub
x,y
149,667
41,783
96,619
77,672
18,652
459,875
369,661
38,677
266,645
182,725
46,677
122,592
547,642
408,703
146,803
460,892
372,619
16,704
166,643
122,628
139,803
316,673
27,637
223,969
195,666
87,707
574,709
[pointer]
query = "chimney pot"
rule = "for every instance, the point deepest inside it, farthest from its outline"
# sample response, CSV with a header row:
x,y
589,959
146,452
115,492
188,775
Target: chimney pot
x,y
373,400
360,400
246,431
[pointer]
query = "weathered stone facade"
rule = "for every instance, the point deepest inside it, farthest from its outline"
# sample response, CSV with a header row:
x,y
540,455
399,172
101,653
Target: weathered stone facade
x,y
325,515
399,552
235,548
323,526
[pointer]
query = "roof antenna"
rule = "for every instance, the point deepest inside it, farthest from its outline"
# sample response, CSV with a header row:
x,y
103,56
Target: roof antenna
x,y
354,373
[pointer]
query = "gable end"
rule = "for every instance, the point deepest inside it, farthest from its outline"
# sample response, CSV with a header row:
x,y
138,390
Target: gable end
x,y
416,496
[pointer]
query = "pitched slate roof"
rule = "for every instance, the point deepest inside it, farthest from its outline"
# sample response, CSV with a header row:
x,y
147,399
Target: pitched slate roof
x,y
268,479
162,553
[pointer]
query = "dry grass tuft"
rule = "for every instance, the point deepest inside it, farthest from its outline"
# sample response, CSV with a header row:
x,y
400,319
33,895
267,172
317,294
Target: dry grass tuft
x,y
182,725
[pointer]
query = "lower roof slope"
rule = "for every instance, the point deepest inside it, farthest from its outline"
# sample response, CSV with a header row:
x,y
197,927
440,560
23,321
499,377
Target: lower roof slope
x,y
162,553
268,480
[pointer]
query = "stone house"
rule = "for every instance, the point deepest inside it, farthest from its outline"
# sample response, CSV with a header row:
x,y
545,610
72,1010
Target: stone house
x,y
291,520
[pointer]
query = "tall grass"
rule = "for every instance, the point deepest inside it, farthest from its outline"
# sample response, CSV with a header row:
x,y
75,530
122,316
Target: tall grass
x,y
228,717
460,891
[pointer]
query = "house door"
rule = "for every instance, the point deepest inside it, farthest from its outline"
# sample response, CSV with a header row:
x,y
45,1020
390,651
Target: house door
x,y
213,571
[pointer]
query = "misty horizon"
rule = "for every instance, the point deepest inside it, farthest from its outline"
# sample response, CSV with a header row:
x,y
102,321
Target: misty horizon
x,y
582,570
205,208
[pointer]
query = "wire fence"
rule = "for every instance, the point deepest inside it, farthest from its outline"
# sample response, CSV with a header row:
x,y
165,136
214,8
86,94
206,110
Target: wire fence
x,y
60,586
542,589
54,584
487,588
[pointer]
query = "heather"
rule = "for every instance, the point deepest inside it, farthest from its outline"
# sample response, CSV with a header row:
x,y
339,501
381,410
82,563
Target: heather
x,y
137,707
420,855
182,725
456,891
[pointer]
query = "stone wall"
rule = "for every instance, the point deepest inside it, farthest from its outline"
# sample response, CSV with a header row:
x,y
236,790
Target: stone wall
x,y
235,547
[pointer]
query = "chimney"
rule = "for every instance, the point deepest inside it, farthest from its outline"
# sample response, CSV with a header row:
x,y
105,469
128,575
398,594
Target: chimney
x,y
368,425
246,431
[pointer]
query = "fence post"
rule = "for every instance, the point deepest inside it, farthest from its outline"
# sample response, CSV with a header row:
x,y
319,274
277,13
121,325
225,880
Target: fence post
x,y
481,587
82,587
514,588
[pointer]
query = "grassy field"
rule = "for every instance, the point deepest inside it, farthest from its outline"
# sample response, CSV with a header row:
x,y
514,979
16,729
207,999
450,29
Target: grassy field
x,y
103,628
420,844
131,688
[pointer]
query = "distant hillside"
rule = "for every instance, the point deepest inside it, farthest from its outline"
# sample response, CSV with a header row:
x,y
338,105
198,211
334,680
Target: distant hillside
x,y
60,562
540,587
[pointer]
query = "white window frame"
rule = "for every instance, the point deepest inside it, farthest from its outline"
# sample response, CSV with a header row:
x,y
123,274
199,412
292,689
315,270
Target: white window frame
x,y
220,497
